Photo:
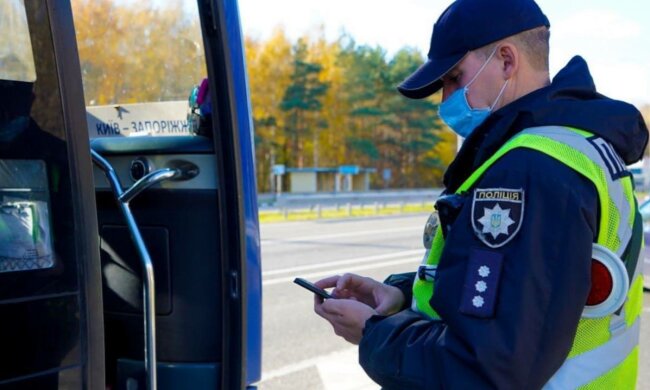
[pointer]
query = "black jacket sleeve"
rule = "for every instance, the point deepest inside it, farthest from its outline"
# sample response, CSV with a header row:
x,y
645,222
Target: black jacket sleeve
x,y
405,284
541,292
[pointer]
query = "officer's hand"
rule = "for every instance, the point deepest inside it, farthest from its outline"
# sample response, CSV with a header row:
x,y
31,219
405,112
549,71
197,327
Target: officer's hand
x,y
348,317
351,286
385,299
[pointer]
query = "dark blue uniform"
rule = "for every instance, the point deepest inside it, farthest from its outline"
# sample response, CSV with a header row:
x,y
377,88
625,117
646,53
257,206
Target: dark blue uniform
x,y
545,273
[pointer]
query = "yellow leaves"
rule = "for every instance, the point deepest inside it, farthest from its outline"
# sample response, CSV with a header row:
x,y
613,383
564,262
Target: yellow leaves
x,y
446,149
147,50
364,122
331,140
138,51
269,72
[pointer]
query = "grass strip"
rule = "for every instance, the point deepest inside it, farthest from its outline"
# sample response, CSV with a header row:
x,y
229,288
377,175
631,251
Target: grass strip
x,y
308,214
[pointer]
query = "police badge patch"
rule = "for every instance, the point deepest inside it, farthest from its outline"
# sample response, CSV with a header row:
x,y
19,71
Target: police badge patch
x,y
497,214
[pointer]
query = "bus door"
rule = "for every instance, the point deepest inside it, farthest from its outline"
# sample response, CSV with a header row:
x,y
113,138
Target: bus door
x,y
51,329
165,90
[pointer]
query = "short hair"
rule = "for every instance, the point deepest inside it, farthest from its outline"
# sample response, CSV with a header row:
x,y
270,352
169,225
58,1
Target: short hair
x,y
534,43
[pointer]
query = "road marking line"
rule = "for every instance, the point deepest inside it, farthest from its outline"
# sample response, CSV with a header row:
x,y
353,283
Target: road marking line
x,y
278,241
411,260
343,372
299,366
335,263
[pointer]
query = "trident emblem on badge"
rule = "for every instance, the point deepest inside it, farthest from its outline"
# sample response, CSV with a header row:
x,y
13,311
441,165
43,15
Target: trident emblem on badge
x,y
495,221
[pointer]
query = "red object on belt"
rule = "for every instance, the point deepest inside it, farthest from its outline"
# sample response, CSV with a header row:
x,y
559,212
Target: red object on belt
x,y
601,283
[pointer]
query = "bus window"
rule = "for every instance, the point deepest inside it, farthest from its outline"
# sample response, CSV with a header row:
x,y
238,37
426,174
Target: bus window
x,y
25,236
44,332
33,164
151,58
16,58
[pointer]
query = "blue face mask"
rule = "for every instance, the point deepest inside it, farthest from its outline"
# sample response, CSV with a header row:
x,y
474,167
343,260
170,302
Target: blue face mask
x,y
459,115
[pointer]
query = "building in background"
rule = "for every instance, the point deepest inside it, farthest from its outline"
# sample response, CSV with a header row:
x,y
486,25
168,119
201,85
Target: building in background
x,y
345,178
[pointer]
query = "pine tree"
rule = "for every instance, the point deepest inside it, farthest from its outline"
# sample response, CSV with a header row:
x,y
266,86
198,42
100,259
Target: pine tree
x,y
302,100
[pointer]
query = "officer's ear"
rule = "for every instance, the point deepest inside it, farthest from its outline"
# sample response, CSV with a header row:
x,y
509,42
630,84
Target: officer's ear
x,y
509,58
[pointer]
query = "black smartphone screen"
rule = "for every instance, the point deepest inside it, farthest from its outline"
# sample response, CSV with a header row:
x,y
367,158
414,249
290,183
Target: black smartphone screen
x,y
311,287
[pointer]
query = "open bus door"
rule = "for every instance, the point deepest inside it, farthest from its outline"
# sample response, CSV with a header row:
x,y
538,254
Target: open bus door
x,y
76,319
51,330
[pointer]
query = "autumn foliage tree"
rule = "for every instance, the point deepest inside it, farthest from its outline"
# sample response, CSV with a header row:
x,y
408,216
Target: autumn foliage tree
x,y
314,102
137,51
301,103
340,106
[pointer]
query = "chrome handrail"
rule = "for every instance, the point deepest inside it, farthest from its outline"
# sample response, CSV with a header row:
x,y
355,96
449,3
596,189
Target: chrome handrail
x,y
147,181
148,290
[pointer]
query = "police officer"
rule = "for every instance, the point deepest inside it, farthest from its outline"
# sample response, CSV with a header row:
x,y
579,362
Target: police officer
x,y
533,278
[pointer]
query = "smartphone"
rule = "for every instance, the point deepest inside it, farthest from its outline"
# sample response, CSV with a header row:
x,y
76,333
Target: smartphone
x,y
311,287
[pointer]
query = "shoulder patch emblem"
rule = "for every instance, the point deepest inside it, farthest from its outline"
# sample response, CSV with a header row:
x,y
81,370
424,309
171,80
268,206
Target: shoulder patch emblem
x,y
497,214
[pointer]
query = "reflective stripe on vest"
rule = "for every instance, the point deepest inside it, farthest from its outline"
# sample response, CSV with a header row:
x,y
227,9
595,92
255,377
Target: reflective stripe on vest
x,y
594,159
615,229
580,370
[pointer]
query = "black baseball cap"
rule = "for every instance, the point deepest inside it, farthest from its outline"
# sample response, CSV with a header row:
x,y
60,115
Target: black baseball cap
x,y
468,25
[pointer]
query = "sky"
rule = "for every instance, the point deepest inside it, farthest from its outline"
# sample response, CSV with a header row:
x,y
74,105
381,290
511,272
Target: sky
x,y
613,36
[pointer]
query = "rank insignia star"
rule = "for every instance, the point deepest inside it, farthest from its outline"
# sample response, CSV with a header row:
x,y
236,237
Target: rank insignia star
x,y
484,271
479,297
497,214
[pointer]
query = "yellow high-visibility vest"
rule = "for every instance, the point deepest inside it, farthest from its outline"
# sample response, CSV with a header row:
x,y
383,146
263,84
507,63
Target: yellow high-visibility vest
x,y
605,352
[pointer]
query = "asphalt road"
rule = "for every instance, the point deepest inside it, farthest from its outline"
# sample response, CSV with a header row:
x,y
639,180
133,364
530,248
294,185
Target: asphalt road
x,y
300,350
